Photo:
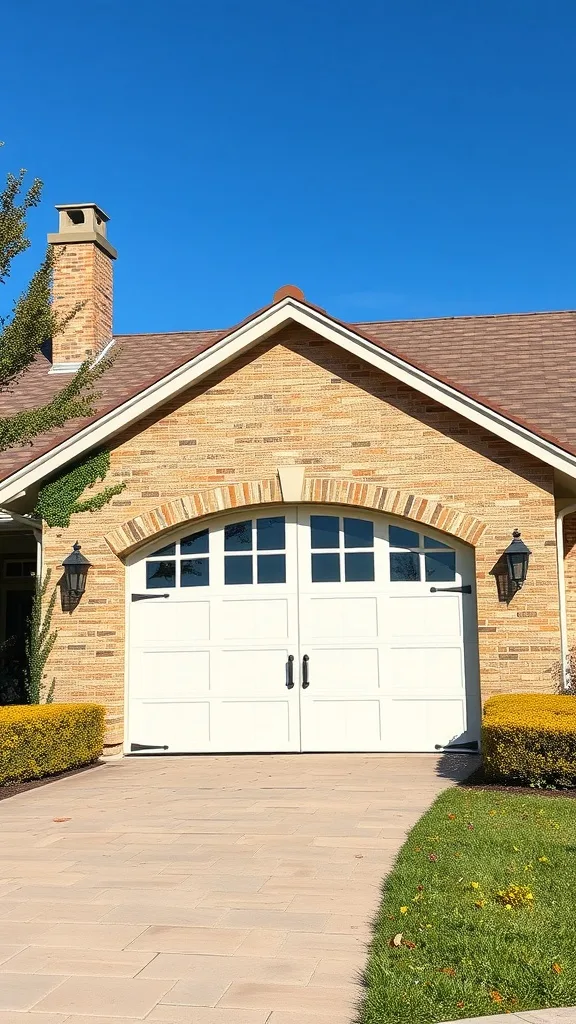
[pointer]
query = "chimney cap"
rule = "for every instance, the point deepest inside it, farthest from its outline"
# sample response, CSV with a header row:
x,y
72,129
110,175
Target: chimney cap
x,y
102,215
82,222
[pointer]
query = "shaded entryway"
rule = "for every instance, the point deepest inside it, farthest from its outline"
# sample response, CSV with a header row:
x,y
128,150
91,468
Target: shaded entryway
x,y
18,564
219,890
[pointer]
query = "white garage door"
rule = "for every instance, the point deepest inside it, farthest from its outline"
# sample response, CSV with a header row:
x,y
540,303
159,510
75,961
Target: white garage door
x,y
303,628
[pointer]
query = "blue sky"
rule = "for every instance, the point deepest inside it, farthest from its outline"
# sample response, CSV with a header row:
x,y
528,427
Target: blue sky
x,y
393,159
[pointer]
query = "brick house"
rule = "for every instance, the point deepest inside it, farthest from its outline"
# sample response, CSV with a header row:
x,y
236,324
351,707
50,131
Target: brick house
x,y
308,551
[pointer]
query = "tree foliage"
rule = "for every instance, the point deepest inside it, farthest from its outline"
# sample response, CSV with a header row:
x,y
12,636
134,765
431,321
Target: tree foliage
x,y
31,322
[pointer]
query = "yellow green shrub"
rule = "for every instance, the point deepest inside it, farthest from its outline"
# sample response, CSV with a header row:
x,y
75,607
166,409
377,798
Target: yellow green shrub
x,y
530,739
42,739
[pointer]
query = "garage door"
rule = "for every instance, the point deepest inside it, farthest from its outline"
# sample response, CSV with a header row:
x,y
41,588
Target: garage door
x,y
303,628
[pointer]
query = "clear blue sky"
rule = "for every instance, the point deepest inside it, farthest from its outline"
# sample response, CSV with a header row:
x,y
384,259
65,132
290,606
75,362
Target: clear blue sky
x,y
393,159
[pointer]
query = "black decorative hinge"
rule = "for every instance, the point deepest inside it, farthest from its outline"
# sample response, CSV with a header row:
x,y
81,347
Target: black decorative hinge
x,y
147,597
452,590
147,746
471,745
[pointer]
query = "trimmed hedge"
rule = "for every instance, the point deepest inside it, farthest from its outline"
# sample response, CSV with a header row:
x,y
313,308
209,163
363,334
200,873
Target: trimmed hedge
x,y
530,739
42,739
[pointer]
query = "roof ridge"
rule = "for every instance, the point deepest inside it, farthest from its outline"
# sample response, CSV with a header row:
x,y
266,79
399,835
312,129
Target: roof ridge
x,y
172,334
466,316
396,320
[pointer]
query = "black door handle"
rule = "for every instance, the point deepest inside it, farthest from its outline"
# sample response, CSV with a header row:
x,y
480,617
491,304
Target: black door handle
x,y
305,679
290,672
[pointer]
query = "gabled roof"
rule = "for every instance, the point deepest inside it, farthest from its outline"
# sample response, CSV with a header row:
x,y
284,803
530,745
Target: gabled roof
x,y
515,372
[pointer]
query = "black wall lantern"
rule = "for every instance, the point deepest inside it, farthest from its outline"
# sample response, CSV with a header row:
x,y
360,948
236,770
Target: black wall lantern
x,y
75,572
517,558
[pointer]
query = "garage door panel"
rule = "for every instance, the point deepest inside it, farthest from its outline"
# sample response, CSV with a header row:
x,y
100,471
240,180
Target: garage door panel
x,y
180,725
423,725
339,617
252,619
170,621
250,670
424,616
342,725
346,669
178,674
253,725
427,671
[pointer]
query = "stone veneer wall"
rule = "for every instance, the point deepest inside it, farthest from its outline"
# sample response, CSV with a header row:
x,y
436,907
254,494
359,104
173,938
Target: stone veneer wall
x,y
297,399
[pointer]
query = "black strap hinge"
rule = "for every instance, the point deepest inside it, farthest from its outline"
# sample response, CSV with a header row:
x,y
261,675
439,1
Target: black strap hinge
x,y
452,590
147,746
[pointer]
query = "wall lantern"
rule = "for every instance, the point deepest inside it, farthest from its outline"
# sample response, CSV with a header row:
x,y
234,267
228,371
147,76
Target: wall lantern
x,y
517,558
75,572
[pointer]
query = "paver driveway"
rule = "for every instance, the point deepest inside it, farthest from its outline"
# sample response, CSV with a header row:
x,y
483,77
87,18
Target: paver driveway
x,y
202,890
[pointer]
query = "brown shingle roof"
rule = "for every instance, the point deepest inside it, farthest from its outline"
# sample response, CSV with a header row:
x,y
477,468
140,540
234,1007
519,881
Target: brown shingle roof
x,y
520,364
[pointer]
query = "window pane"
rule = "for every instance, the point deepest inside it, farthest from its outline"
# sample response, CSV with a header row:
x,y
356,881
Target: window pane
x,y
271,569
160,574
13,569
441,567
194,572
358,533
401,538
195,544
325,568
238,569
430,542
359,566
271,533
405,567
170,549
324,531
238,536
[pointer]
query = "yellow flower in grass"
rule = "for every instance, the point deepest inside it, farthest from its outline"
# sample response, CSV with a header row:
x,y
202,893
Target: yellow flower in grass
x,y
543,860
403,910
474,885
515,896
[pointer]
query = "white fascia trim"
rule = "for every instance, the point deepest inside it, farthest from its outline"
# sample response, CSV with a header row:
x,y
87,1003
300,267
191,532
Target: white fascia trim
x,y
260,327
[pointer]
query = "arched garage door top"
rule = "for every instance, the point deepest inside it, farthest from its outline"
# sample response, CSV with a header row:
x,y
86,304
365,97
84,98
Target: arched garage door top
x,y
325,490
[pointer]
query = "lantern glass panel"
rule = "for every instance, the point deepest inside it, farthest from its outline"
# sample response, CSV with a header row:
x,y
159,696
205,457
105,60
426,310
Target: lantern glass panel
x,y
73,580
516,562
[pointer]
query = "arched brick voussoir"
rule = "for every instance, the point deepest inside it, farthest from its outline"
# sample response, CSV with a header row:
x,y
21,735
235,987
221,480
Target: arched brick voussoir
x,y
334,490
143,528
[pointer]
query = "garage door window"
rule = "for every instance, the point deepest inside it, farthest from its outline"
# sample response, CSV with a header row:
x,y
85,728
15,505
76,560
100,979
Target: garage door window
x,y
342,549
414,557
244,545
184,563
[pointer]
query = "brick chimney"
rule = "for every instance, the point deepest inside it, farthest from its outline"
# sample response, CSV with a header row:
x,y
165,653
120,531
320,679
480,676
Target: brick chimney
x,y
82,273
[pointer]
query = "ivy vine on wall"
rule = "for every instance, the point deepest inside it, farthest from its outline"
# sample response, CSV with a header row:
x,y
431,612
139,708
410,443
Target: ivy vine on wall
x,y
59,499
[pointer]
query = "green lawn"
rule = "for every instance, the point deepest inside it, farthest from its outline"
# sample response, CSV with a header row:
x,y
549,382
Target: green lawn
x,y
463,953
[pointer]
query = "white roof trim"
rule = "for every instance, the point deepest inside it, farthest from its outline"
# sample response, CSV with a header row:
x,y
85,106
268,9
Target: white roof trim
x,y
244,337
